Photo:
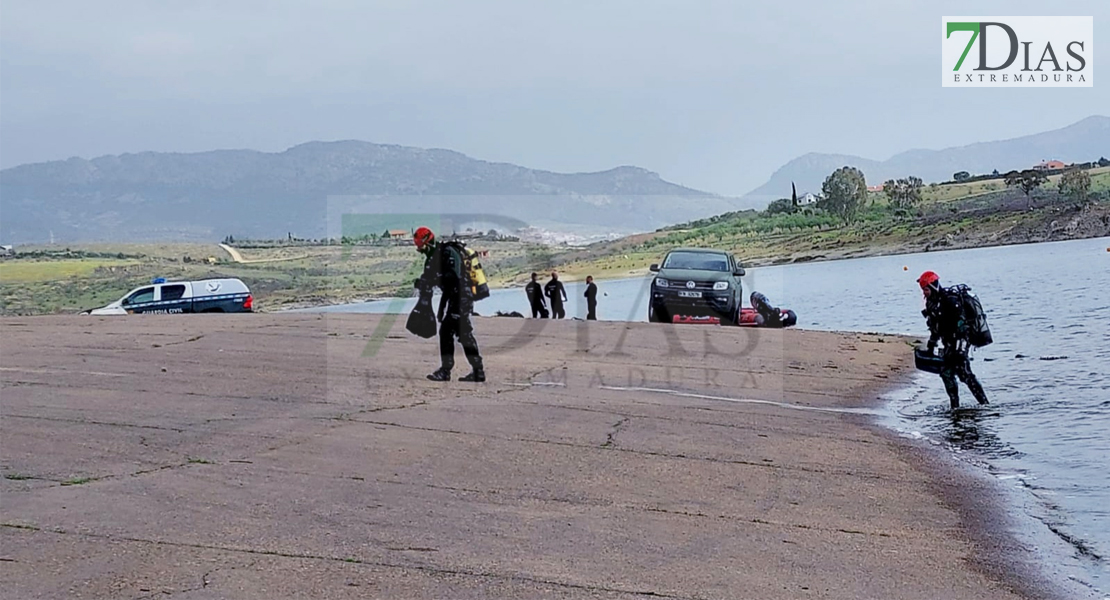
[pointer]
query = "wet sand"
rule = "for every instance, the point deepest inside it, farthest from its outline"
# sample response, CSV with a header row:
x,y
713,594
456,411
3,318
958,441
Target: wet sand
x,y
305,456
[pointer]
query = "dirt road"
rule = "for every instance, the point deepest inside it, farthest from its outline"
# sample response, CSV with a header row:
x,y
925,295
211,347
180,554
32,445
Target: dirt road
x,y
238,257
305,456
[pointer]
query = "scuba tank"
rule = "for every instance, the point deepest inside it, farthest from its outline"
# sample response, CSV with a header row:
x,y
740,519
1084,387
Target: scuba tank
x,y
479,286
978,333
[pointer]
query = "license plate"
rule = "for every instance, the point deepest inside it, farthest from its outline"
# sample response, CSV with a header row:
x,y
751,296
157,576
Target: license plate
x,y
689,294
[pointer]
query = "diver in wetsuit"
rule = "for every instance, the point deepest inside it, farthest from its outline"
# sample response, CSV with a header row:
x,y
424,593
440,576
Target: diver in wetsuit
x,y
443,268
558,294
535,298
944,314
766,315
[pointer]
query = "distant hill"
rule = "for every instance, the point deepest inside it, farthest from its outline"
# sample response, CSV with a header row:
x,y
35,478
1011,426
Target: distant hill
x,y
207,195
1086,140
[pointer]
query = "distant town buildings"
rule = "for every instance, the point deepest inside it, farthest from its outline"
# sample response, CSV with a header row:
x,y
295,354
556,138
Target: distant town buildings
x,y
1049,165
543,236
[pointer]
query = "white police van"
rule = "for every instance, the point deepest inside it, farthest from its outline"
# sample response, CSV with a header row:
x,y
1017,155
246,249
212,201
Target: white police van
x,y
161,296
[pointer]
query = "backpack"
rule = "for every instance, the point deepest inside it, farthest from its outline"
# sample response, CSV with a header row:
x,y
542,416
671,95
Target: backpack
x,y
472,269
978,333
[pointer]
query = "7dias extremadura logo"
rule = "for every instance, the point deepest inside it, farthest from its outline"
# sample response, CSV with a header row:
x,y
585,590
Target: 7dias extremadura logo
x,y
1017,52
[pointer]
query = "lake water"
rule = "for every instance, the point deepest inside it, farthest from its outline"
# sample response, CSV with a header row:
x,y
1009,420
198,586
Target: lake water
x,y
1045,435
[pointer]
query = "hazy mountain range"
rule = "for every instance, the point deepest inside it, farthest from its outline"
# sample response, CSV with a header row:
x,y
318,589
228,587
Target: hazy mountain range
x,y
1083,141
243,193
303,190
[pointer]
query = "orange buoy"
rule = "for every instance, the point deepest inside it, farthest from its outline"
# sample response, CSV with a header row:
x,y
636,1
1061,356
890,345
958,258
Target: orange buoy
x,y
905,268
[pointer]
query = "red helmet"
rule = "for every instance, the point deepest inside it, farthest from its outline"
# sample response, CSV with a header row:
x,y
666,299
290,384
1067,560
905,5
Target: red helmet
x,y
423,237
928,278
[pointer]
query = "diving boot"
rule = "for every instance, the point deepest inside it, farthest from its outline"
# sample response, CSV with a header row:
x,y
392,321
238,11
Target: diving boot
x,y
476,375
440,374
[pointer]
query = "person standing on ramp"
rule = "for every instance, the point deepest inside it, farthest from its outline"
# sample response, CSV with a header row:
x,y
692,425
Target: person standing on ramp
x,y
591,299
558,294
443,268
535,298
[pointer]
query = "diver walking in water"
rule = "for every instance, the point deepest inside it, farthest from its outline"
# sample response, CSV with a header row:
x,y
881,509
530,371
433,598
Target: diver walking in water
x,y
946,313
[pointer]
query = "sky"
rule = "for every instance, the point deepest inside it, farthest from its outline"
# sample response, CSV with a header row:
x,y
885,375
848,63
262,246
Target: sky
x,y
714,95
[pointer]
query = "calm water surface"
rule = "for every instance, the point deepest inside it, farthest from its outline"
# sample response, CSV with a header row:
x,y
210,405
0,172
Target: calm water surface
x,y
1046,433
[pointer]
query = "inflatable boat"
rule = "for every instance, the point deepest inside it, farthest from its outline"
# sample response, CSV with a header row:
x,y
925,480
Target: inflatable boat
x,y
695,320
747,319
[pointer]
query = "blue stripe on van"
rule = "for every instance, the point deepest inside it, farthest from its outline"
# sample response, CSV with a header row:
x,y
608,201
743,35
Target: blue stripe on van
x,y
240,295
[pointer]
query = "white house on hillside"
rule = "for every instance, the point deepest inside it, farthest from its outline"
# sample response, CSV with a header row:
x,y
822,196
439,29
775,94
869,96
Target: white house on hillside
x,y
807,199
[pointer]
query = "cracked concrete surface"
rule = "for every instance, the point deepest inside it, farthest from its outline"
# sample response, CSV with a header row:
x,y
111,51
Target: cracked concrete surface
x,y
262,456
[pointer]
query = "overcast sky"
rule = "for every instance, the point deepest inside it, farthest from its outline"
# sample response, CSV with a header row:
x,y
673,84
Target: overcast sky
x,y
713,95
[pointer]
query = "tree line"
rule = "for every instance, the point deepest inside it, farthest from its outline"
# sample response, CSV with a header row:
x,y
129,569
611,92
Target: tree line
x,y
844,192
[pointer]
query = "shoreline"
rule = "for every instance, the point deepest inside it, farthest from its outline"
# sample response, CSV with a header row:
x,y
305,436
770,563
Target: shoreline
x,y
1013,549
843,255
292,299
1011,546
856,253
800,468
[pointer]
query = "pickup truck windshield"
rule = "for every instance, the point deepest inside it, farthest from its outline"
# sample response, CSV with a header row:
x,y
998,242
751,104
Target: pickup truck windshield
x,y
700,261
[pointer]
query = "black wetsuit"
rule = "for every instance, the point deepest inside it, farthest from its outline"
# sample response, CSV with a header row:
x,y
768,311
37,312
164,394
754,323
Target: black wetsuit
x,y
766,314
535,299
944,314
444,269
591,301
554,290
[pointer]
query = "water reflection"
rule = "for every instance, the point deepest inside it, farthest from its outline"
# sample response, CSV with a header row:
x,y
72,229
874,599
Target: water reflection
x,y
973,430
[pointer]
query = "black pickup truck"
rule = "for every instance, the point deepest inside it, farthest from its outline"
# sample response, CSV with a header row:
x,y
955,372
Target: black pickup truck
x,y
696,282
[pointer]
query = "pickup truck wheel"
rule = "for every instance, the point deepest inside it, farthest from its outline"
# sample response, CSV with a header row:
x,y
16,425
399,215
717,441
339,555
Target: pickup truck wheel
x,y
734,316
